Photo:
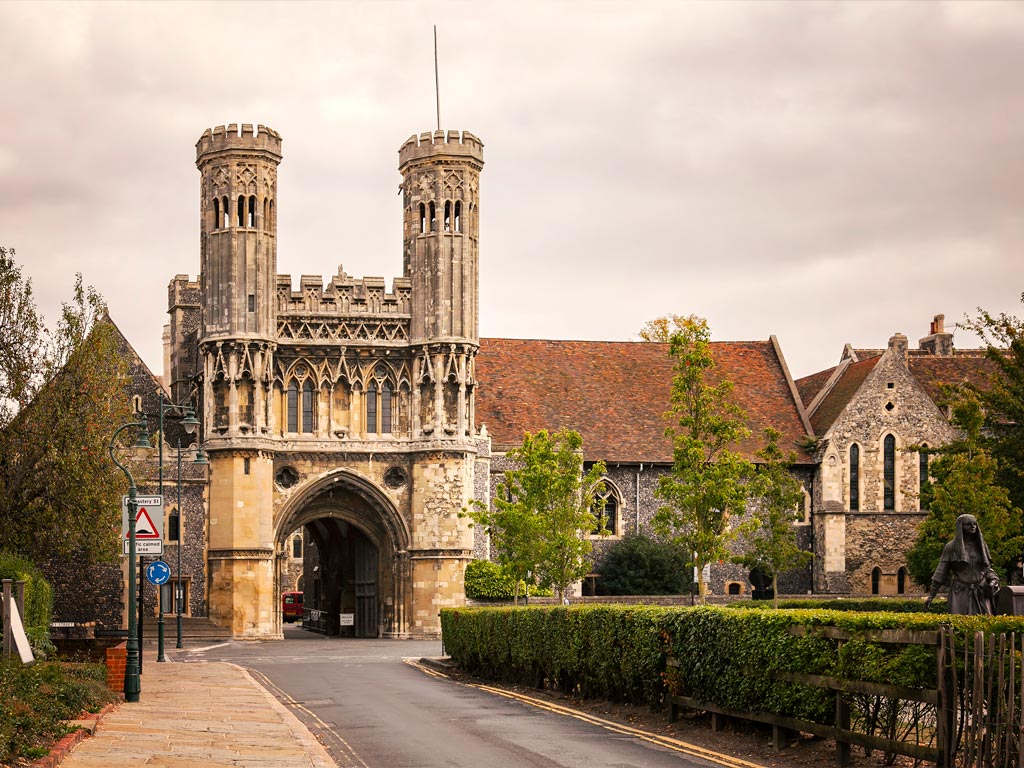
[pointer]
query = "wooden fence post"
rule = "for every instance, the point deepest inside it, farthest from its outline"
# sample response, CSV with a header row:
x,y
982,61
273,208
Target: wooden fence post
x,y
945,656
843,723
8,644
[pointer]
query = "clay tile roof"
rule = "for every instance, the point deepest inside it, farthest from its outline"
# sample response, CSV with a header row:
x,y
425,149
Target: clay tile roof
x,y
615,394
810,386
842,392
966,366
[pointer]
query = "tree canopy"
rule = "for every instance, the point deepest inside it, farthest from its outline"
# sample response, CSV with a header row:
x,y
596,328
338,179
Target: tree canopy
x,y
21,338
771,543
59,492
707,481
1003,397
662,328
543,510
965,481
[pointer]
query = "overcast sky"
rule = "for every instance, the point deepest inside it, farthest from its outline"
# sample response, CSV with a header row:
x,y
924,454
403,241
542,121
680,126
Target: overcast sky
x,y
824,172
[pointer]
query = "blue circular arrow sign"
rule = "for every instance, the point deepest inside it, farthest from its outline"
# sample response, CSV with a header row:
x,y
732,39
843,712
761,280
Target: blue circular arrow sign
x,y
158,572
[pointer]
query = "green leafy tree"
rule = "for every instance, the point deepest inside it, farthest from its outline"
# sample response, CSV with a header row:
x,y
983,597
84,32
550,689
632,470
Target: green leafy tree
x,y
769,534
21,337
1003,397
542,511
642,565
707,481
965,481
59,492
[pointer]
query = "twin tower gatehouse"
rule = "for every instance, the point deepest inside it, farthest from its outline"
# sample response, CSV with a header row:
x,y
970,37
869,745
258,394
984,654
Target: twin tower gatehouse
x,y
344,409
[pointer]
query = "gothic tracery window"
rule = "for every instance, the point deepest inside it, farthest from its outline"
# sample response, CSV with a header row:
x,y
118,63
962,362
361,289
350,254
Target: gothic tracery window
x,y
379,407
608,514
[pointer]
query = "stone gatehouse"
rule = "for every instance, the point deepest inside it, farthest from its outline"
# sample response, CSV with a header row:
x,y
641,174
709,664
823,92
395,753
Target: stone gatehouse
x,y
348,423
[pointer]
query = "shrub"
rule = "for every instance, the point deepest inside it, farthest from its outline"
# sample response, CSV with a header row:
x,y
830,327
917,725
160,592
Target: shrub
x,y
488,581
38,600
641,565
35,700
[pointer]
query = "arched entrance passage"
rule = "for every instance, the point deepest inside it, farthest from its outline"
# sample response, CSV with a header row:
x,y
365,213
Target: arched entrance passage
x,y
359,568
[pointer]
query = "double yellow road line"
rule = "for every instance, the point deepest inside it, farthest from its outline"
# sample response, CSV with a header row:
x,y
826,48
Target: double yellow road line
x,y
666,742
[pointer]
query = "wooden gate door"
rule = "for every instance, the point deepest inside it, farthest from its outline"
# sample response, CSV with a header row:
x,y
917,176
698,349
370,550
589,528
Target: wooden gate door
x,y
366,589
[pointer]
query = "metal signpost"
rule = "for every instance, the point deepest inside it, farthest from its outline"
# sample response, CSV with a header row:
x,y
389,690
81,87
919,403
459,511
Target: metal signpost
x,y
159,573
149,525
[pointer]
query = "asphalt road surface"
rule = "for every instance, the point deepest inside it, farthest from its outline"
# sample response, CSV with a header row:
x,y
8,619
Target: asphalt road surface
x,y
372,706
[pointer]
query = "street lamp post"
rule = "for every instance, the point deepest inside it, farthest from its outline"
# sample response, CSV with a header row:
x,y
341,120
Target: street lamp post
x,y
200,459
132,669
189,422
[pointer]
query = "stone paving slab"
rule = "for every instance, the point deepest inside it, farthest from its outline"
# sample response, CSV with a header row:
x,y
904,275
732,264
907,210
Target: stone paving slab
x,y
200,715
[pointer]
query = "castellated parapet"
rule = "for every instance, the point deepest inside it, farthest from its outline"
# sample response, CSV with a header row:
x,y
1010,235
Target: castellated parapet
x,y
223,138
438,144
343,295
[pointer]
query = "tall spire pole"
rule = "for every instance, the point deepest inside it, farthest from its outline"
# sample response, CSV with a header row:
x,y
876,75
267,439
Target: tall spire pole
x,y
437,82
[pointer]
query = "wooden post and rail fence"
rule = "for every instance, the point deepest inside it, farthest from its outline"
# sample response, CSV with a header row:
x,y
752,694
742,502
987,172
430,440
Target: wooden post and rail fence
x,y
972,719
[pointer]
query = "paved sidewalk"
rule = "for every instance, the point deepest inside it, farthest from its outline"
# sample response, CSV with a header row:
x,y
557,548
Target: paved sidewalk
x,y
199,715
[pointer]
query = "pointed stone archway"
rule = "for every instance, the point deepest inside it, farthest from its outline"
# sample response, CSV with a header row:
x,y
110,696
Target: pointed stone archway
x,y
361,552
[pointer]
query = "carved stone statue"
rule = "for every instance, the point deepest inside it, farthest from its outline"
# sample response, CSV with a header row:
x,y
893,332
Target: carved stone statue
x,y
967,560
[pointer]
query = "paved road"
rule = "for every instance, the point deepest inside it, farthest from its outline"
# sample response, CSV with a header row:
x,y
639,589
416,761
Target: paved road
x,y
371,709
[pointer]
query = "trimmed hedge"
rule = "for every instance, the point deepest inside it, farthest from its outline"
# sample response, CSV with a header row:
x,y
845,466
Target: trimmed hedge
x,y
38,600
858,604
603,651
724,656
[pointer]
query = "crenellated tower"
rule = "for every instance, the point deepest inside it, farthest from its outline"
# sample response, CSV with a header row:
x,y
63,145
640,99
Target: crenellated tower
x,y
441,183
237,337
238,266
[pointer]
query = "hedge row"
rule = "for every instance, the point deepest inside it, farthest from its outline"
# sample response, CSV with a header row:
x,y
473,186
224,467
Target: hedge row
x,y
724,655
858,604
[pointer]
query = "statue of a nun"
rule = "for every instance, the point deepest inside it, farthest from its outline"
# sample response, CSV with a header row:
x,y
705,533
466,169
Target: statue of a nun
x,y
967,560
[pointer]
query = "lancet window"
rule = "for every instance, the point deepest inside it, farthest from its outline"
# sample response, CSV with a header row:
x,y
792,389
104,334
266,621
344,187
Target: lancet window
x,y
889,472
854,477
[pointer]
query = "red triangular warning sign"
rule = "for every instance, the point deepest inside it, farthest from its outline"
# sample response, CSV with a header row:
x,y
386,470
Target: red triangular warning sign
x,y
144,528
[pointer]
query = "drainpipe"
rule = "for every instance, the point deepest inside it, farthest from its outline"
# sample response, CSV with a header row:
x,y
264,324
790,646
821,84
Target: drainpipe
x,y
637,508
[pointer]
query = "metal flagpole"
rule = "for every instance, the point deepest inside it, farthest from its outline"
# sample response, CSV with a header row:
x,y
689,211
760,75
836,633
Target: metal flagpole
x,y
437,82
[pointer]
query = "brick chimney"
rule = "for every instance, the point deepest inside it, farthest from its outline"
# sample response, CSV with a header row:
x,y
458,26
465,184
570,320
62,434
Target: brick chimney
x,y
938,342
